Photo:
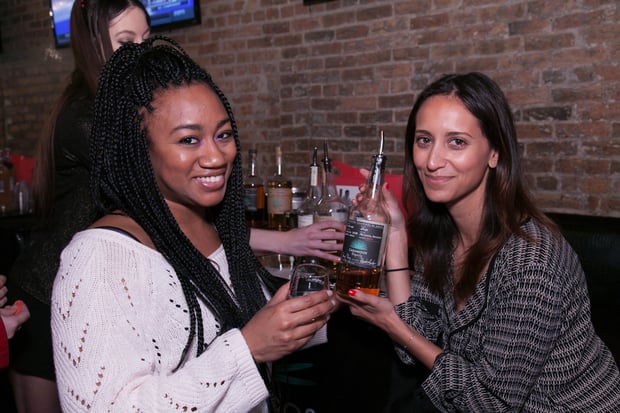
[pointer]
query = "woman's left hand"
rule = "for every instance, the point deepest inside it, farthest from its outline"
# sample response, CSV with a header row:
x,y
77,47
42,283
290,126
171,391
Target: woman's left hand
x,y
371,308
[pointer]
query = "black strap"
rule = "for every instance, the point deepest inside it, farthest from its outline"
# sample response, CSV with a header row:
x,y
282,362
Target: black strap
x,y
120,231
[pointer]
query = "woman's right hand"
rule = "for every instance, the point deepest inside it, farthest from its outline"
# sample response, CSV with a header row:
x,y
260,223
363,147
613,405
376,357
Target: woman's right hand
x,y
285,324
13,316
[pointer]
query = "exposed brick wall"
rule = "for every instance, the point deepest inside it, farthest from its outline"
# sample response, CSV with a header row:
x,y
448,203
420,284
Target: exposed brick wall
x,y
344,69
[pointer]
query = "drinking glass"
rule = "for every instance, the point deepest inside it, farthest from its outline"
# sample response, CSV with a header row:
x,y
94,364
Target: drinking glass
x,y
308,278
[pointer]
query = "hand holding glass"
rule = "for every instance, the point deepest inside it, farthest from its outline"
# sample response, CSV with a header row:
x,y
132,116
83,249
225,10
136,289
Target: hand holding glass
x,y
308,278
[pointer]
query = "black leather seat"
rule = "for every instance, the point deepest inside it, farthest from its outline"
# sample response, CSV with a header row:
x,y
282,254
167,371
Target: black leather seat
x,y
596,240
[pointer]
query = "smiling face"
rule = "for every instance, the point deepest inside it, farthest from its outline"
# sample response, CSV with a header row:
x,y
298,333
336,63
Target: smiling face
x,y
451,155
191,145
128,27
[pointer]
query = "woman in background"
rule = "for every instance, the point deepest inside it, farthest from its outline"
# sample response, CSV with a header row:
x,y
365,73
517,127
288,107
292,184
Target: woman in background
x,y
497,305
161,303
62,198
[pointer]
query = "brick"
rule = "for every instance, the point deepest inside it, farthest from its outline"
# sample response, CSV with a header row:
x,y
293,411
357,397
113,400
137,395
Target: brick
x,y
374,13
577,93
524,27
549,42
547,113
533,131
547,183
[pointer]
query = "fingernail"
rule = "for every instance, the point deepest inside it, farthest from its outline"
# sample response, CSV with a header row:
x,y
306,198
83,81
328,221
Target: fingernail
x,y
330,293
19,304
352,293
387,185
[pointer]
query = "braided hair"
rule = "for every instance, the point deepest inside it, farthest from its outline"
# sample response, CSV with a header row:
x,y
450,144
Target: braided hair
x,y
123,179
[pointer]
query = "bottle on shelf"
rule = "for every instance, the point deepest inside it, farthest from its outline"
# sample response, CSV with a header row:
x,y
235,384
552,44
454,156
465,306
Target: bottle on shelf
x,y
305,212
279,196
363,252
254,195
329,207
7,182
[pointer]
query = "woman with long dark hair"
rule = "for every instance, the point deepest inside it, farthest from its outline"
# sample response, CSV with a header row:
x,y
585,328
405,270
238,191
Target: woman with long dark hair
x,y
496,304
60,188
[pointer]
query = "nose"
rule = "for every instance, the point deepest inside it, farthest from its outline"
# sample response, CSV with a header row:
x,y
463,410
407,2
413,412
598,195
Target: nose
x,y
211,156
436,158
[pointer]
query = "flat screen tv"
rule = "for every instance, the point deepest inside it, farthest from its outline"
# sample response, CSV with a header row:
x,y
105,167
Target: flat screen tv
x,y
165,14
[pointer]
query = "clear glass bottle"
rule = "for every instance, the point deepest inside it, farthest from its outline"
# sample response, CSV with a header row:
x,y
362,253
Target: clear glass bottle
x,y
305,212
254,195
330,207
365,239
279,196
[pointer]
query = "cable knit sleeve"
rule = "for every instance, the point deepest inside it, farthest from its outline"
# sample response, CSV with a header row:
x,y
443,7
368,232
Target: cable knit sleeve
x,y
120,323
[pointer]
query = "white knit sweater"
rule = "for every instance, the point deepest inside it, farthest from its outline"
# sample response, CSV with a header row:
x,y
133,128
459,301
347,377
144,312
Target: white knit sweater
x,y
119,325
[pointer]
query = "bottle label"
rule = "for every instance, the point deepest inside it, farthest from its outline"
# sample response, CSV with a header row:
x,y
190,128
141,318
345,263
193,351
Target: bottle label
x,y
364,243
304,220
250,199
340,216
280,200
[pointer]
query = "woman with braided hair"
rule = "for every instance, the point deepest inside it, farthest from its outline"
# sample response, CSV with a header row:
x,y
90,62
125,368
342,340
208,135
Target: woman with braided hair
x,y
161,304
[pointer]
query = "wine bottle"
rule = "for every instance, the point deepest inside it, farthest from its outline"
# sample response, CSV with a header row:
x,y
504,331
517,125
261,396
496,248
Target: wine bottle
x,y
279,196
254,195
363,250
305,212
330,207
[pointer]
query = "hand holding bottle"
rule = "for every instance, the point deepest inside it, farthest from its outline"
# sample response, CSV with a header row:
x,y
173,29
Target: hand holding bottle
x,y
397,218
398,285
365,240
317,240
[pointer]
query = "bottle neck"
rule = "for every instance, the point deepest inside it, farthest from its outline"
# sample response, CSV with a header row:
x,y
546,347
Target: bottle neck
x,y
375,179
253,167
314,177
279,165
328,188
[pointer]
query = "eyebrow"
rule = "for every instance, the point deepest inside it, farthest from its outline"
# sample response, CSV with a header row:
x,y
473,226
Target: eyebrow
x,y
452,133
193,126
124,32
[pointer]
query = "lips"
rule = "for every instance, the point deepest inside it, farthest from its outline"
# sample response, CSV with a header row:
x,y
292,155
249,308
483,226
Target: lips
x,y
436,180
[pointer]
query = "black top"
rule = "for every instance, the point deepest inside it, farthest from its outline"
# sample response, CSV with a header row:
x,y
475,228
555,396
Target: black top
x,y
35,268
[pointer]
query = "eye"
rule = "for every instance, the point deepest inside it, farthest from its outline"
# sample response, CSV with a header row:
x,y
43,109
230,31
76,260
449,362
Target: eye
x,y
224,136
458,142
188,140
422,140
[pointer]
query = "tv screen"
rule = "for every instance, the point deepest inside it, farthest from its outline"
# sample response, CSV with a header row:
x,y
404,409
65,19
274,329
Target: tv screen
x,y
165,14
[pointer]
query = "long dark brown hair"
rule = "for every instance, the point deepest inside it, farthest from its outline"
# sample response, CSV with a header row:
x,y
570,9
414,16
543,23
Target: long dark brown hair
x,y
506,205
91,46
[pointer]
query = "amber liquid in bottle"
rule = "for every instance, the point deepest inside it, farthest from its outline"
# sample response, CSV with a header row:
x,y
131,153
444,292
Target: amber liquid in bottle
x,y
365,240
254,195
279,197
